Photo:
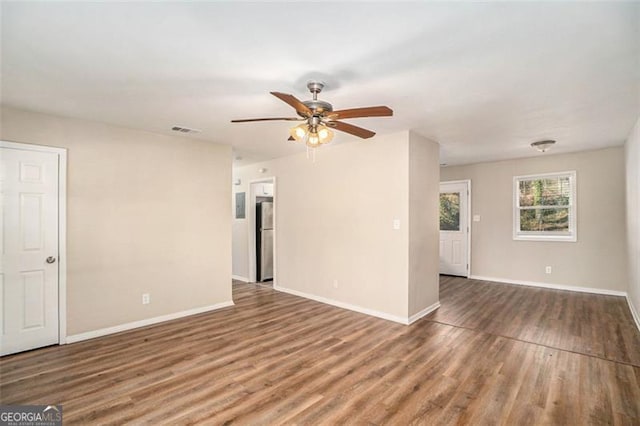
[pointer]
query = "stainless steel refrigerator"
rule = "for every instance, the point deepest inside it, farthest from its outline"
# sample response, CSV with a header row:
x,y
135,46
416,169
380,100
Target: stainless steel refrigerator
x,y
264,240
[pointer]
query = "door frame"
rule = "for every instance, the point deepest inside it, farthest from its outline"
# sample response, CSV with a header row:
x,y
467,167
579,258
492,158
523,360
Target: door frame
x,y
467,182
62,227
251,220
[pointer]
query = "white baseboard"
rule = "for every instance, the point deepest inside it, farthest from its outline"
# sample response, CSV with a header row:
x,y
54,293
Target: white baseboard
x,y
344,305
634,312
415,317
240,278
142,323
552,286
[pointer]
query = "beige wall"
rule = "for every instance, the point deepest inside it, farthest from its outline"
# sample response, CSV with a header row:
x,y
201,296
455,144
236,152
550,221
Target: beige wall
x,y
424,189
597,260
334,222
632,156
146,213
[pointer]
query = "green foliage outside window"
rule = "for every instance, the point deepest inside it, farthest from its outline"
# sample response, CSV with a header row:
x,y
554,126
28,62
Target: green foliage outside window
x,y
450,211
544,204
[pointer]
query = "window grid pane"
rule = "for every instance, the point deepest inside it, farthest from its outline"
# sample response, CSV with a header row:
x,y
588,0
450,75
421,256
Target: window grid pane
x,y
450,211
545,192
544,207
545,220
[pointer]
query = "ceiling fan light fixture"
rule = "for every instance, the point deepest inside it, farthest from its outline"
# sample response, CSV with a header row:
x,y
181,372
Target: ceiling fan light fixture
x,y
313,141
325,135
312,136
320,120
299,132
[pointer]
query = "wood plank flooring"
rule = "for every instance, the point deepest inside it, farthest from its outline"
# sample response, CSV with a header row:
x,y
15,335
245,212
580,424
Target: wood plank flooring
x,y
601,326
492,354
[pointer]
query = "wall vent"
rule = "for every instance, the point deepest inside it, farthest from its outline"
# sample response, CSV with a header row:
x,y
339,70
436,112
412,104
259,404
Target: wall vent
x,y
183,129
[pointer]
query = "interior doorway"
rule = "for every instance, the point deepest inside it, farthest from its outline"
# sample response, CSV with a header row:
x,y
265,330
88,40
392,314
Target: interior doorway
x,y
32,270
455,228
262,230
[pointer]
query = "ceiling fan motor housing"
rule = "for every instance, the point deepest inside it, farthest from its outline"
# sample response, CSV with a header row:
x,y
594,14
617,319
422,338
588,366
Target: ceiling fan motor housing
x,y
315,86
318,107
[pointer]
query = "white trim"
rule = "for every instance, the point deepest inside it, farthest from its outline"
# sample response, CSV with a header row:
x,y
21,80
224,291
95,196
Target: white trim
x,y
240,278
426,311
468,183
32,147
470,228
343,305
546,236
456,181
552,286
145,322
275,231
62,227
251,220
634,312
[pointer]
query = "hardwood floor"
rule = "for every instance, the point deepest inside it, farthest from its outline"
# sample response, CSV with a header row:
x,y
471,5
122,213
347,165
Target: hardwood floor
x,y
601,326
492,354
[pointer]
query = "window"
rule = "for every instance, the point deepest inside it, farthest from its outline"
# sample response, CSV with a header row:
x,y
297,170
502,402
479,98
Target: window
x,y
450,211
545,207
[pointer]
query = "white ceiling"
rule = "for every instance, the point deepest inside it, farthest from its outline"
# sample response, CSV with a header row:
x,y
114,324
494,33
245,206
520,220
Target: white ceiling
x,y
484,80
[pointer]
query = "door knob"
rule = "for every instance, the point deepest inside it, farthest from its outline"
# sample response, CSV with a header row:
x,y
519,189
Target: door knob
x,y
51,259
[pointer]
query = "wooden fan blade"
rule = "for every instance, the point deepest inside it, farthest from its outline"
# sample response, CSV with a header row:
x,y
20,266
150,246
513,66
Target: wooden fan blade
x,y
376,111
351,129
294,102
290,138
244,120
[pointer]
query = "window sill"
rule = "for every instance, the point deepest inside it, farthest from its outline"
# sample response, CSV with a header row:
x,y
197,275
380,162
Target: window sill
x,y
558,238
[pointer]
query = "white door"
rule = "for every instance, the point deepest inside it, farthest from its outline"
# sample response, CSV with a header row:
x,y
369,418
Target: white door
x,y
454,228
29,236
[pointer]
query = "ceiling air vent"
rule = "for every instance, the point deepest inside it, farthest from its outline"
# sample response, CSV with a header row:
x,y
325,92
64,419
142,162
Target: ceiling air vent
x,y
182,129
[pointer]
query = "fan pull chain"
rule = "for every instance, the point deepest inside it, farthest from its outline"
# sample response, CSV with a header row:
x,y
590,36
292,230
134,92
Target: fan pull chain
x,y
313,154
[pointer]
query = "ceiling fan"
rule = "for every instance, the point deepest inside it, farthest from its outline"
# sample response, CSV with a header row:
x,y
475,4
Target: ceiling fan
x,y
319,118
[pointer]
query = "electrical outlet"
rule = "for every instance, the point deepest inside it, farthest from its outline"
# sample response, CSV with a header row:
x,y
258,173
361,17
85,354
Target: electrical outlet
x,y
547,270
146,298
335,283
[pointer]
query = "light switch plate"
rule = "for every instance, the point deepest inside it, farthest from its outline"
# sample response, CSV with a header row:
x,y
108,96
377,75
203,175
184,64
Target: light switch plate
x,y
396,223
476,218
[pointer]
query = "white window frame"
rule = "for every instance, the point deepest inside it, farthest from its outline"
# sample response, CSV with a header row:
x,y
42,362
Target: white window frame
x,y
541,235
